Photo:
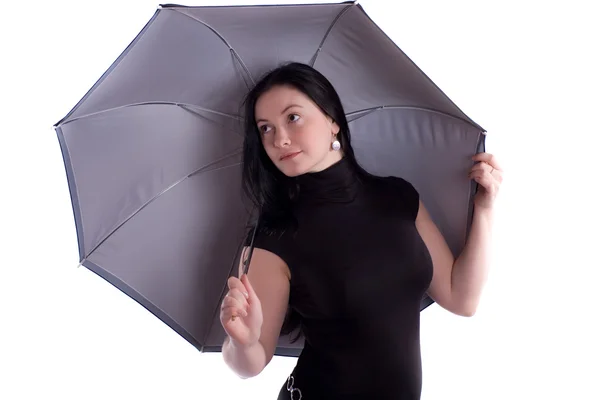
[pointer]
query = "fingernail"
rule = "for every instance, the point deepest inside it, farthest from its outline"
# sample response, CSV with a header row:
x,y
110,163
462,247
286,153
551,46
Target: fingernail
x,y
246,294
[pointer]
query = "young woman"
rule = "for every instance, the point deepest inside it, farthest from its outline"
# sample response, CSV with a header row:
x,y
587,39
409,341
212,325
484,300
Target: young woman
x,y
349,254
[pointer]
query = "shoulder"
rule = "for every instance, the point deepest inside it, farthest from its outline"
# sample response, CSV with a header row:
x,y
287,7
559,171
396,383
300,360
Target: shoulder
x,y
394,185
401,192
400,184
273,238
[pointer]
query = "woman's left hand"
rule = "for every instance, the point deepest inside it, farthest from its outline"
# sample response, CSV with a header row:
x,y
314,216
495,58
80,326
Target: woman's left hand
x,y
488,174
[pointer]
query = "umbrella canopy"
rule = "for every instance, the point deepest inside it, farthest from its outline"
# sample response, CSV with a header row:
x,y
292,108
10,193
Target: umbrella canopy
x,y
152,151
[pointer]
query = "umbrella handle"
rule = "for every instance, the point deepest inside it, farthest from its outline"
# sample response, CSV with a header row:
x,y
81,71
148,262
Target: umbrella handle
x,y
247,260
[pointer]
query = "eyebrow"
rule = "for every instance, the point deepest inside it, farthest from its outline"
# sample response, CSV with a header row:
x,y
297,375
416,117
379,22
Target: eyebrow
x,y
284,110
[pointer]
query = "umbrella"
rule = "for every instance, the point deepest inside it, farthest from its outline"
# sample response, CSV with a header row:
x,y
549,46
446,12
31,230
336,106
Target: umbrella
x,y
152,151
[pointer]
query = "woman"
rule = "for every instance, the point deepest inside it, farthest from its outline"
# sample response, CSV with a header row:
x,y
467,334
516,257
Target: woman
x,y
348,253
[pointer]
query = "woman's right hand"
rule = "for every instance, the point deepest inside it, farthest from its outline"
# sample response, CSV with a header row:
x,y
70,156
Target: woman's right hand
x,y
241,312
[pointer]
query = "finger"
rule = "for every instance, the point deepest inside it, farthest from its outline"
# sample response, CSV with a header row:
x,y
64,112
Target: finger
x,y
237,312
483,179
239,296
482,169
231,313
498,176
482,166
487,158
487,169
486,181
250,290
235,283
230,301
478,173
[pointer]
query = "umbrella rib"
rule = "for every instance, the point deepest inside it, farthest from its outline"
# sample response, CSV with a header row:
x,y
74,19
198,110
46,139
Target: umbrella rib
x,y
145,103
314,57
231,49
370,110
204,168
199,115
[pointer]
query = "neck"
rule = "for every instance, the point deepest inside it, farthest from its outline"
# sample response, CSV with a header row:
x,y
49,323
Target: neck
x,y
333,158
336,184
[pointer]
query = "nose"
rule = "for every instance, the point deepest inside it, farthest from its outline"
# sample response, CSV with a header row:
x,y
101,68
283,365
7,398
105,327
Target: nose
x,y
281,138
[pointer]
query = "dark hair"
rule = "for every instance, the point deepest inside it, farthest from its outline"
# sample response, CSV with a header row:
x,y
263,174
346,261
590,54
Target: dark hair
x,y
271,191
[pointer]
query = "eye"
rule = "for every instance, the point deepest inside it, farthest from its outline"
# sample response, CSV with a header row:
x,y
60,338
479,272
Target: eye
x,y
264,128
292,119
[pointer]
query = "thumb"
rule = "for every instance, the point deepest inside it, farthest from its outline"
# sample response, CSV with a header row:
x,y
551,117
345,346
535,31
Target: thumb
x,y
249,289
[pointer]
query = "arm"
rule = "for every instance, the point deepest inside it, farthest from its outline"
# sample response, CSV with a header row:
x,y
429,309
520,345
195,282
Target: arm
x,y
246,362
269,277
457,284
471,268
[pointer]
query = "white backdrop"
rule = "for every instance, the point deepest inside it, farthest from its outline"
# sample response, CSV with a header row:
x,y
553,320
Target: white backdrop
x,y
526,71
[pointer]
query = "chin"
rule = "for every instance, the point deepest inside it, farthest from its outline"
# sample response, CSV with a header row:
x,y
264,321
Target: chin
x,y
292,170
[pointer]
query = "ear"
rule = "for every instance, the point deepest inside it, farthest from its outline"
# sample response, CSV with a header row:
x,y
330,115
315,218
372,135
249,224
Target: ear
x,y
335,128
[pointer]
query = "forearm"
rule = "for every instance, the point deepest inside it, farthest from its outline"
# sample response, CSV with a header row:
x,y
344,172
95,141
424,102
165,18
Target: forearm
x,y
246,362
471,268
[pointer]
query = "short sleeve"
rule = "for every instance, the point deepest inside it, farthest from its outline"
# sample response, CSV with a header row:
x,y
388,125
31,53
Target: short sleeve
x,y
409,195
267,240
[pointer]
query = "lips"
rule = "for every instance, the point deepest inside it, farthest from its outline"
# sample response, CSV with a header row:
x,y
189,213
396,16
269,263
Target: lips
x,y
288,156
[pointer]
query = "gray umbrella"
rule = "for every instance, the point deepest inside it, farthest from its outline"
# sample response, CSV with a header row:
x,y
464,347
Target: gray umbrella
x,y
152,152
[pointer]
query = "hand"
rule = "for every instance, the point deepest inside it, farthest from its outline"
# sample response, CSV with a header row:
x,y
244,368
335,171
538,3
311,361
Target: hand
x,y
488,174
241,312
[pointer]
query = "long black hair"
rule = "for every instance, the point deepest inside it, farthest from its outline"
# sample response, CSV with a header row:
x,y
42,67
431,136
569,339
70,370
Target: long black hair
x,y
271,191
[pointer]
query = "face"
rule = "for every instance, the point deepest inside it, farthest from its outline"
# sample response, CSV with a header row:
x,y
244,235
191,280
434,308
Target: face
x,y
295,133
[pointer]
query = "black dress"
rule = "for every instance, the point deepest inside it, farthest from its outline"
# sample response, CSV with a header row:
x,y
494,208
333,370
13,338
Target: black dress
x,y
359,270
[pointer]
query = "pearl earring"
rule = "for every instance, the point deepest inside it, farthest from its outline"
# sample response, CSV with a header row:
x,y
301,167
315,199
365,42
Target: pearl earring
x,y
336,145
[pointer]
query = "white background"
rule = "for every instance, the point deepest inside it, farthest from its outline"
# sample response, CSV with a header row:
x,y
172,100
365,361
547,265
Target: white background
x,y
526,71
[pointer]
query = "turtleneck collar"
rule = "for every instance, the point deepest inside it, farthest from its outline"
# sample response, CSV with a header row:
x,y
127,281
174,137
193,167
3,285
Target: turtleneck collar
x,y
336,183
